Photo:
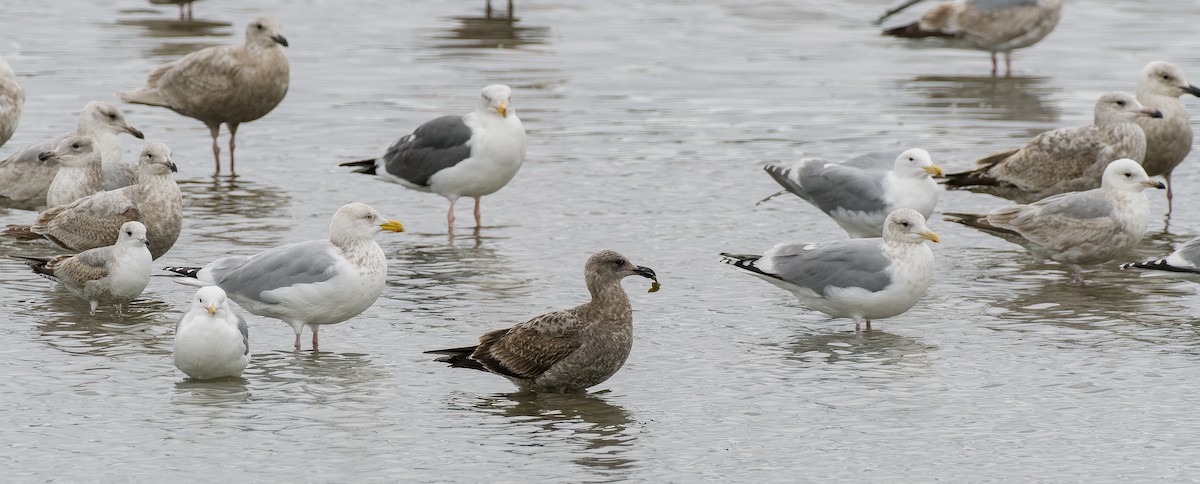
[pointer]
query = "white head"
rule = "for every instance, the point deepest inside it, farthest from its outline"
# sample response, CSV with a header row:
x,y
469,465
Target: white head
x,y
101,117
264,32
907,225
156,160
75,151
496,98
1127,175
210,299
1121,107
132,234
1165,79
916,163
356,221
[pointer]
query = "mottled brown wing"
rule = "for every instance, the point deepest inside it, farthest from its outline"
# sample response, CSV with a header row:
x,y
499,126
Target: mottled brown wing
x,y
89,222
529,349
996,26
1051,157
200,78
80,269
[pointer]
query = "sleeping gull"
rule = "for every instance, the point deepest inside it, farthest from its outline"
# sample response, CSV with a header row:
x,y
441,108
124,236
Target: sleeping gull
x,y
864,279
211,340
308,283
1168,140
859,198
1063,160
564,351
24,180
92,221
229,84
457,156
990,25
1184,262
79,171
107,275
1077,228
12,98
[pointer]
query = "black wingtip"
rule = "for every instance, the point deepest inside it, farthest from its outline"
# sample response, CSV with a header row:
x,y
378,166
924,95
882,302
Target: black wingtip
x,y
914,31
743,261
1160,265
184,271
366,167
458,358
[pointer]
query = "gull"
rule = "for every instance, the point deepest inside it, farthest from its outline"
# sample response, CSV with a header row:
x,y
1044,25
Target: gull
x,y
107,275
859,196
155,200
457,156
211,340
79,171
564,351
229,84
863,279
1062,160
1169,138
307,283
1184,262
24,180
12,98
1077,228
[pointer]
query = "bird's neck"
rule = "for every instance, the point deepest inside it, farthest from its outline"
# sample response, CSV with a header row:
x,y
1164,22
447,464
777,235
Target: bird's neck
x,y
607,298
358,250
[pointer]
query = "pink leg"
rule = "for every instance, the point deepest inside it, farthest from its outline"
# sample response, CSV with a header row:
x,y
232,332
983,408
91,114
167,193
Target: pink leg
x,y
1170,193
314,329
1008,64
868,325
993,63
477,217
1079,276
857,326
450,215
232,134
215,129
181,18
189,10
297,343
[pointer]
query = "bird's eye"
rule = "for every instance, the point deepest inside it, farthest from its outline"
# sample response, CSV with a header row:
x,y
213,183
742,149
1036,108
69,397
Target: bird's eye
x,y
258,26
911,159
1121,103
1128,175
1167,77
76,146
904,224
128,232
112,116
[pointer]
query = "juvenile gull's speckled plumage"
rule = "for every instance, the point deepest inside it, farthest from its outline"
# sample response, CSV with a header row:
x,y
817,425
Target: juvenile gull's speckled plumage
x,y
1169,139
859,194
1063,160
211,340
564,351
155,200
107,275
12,98
24,180
308,283
863,279
1183,263
229,84
1077,228
79,171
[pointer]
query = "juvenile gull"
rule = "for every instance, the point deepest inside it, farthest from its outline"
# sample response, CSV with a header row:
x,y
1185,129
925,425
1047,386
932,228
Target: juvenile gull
x,y
308,283
79,172
863,279
1063,160
1184,262
564,351
107,275
12,98
92,221
993,26
457,156
211,340
24,180
1169,139
1077,228
229,84
858,196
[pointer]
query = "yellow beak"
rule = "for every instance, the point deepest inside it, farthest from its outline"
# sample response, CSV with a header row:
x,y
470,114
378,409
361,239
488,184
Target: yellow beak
x,y
212,309
933,170
392,225
502,109
930,236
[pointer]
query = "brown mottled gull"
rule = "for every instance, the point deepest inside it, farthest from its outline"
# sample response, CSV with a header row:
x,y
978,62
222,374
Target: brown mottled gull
x,y
1077,228
12,98
90,222
79,171
1065,159
564,351
989,25
1169,139
106,275
24,180
229,84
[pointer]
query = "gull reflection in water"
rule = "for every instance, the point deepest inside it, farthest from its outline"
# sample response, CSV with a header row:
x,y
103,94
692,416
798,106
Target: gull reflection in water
x,y
490,32
867,347
985,98
170,30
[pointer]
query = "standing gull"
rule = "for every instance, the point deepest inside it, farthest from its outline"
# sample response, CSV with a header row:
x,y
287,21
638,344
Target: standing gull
x,y
1169,139
211,340
1077,228
79,171
12,98
859,197
457,156
107,275
1063,160
1184,262
229,84
24,180
308,283
564,351
863,279
92,221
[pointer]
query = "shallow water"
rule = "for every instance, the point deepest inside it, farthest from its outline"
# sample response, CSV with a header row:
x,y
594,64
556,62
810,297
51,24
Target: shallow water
x,y
648,123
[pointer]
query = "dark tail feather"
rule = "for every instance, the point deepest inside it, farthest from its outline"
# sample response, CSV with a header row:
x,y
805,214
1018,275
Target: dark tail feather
x,y
459,358
21,232
966,179
1159,265
38,264
977,221
743,261
366,167
184,271
914,31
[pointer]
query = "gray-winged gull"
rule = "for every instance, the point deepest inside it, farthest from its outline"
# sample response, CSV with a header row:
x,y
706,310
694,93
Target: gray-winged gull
x,y
211,339
308,283
564,351
457,156
859,196
79,171
1077,228
229,84
1183,263
863,279
1169,139
993,26
1063,160
107,275
12,98
24,179
155,200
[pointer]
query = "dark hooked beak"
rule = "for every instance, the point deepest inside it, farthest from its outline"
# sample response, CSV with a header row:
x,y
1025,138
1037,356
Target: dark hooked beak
x,y
645,272
134,131
1154,184
1153,113
1192,89
279,38
171,165
46,156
